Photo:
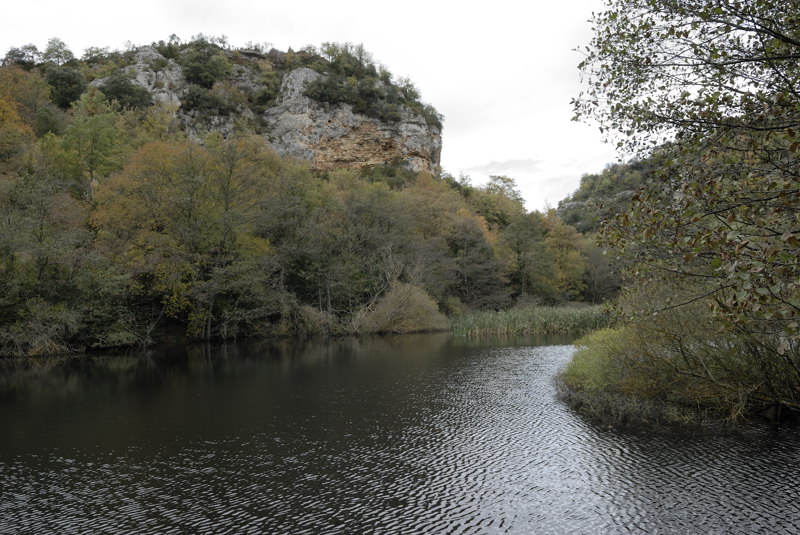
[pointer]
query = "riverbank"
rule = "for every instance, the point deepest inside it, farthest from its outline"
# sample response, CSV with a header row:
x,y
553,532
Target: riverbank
x,y
406,313
628,376
614,409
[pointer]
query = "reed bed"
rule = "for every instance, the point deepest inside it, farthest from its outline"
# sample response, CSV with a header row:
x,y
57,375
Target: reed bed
x,y
531,320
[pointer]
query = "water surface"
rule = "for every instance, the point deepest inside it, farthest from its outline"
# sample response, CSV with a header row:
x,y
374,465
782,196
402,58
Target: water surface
x,y
416,434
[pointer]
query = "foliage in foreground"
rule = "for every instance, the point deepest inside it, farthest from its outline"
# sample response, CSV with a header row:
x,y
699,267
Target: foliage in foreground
x,y
725,206
531,320
709,87
677,364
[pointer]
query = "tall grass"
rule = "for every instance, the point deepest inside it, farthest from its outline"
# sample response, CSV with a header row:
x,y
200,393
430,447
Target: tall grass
x,y
531,320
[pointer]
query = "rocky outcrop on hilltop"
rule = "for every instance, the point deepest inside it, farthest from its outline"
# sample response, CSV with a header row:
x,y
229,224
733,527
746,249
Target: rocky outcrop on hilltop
x,y
329,136
333,136
161,77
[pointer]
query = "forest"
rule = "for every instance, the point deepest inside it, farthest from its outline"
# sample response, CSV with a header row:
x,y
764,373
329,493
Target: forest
x,y
119,229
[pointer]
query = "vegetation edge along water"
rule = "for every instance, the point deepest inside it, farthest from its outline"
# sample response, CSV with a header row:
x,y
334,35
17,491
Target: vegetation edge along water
x,y
531,320
99,252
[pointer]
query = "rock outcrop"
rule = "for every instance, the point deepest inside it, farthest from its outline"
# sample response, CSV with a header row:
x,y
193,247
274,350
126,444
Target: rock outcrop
x,y
329,136
333,136
162,78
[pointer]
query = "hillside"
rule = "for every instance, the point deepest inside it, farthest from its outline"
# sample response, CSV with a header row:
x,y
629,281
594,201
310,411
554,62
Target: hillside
x,y
603,195
193,190
333,106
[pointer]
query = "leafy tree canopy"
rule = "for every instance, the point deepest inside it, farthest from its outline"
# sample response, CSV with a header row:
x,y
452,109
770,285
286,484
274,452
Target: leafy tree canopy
x,y
57,52
125,92
712,87
67,85
26,56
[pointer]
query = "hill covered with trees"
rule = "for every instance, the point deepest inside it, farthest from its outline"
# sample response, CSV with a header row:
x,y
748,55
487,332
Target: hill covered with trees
x,y
334,106
126,217
602,196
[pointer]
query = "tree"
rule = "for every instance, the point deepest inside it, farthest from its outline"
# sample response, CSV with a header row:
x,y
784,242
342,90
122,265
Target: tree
x,y
204,63
66,85
26,56
711,87
180,221
480,280
531,264
14,134
715,85
48,272
57,52
566,246
601,281
499,201
94,145
126,93
31,95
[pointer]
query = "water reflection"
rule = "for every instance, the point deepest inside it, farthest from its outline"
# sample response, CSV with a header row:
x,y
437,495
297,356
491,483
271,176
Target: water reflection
x,y
419,434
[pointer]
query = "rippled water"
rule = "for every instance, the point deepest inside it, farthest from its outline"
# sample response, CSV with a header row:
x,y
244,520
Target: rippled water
x,y
418,434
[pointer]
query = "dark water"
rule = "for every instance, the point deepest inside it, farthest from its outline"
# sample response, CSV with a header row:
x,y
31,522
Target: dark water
x,y
421,434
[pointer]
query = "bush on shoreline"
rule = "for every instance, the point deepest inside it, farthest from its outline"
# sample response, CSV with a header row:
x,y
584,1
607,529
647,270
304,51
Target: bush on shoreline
x,y
680,368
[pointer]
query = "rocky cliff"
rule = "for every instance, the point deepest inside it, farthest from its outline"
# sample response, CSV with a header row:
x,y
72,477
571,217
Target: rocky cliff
x,y
333,136
327,135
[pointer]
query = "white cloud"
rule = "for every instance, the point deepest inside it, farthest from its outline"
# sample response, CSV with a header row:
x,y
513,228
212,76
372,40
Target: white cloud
x,y
526,165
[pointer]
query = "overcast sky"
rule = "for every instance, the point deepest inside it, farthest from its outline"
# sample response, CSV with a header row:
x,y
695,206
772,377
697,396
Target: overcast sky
x,y
501,72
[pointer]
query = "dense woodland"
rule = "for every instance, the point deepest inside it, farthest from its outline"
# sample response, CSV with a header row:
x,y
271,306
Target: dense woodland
x,y
118,229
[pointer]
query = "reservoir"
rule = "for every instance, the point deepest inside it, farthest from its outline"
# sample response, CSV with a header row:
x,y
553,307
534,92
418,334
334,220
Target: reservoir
x,y
412,434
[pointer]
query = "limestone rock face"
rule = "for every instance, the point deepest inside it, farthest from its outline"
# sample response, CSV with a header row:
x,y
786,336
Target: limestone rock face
x,y
329,136
332,136
162,77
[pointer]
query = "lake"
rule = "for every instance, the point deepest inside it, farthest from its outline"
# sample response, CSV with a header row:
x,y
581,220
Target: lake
x,y
411,434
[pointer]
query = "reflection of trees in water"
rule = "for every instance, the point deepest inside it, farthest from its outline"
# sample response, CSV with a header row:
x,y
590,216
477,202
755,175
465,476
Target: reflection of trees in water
x,y
57,376
290,353
64,375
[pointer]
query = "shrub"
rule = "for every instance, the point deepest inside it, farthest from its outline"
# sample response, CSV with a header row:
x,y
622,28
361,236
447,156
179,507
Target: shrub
x,y
684,360
67,85
307,320
403,309
125,93
596,364
351,76
205,102
42,329
267,94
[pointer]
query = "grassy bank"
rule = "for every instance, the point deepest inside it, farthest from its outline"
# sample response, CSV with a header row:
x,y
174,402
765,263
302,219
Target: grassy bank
x,y
617,379
695,375
531,320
